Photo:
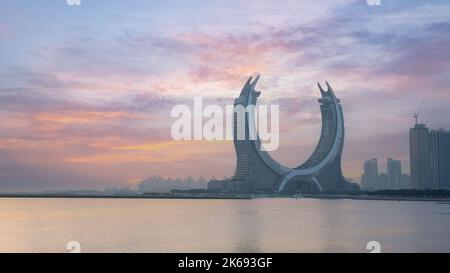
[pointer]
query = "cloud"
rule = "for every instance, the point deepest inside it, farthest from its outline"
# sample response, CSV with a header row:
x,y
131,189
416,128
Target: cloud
x,y
96,101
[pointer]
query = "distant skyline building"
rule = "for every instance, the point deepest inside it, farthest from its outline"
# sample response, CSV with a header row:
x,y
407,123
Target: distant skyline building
x,y
392,179
405,181
394,173
369,178
382,182
440,158
420,157
158,184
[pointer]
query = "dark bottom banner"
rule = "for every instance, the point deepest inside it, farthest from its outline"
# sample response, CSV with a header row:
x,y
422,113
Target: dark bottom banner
x,y
197,262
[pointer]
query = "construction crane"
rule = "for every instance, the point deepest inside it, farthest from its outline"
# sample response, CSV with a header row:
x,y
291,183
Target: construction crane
x,y
417,114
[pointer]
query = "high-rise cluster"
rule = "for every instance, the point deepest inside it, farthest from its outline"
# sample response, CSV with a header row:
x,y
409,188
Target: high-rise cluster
x,y
429,157
429,164
392,179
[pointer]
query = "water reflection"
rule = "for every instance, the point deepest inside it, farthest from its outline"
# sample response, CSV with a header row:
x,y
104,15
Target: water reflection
x,y
258,225
247,228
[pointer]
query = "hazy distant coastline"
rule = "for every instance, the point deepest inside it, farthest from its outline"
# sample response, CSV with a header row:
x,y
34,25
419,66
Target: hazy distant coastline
x,y
445,199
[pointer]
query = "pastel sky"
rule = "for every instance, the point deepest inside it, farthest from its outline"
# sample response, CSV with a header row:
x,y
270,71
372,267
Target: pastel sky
x,y
86,91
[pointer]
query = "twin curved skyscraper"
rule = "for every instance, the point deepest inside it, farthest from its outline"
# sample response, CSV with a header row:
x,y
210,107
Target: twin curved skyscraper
x,y
257,172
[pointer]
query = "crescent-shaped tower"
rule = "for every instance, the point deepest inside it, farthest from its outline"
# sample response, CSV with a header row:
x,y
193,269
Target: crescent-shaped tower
x,y
257,172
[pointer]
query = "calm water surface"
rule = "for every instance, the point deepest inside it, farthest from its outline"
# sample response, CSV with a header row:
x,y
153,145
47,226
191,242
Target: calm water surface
x,y
258,225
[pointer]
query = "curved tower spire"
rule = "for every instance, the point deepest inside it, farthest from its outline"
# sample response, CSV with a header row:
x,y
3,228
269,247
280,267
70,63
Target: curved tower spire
x,y
322,169
255,168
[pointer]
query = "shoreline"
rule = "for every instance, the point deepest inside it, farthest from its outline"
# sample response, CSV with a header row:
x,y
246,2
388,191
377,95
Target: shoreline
x,y
224,197
381,198
68,196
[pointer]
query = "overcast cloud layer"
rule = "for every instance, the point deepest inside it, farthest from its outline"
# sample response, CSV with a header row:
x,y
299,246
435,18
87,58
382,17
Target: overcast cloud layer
x,y
86,92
